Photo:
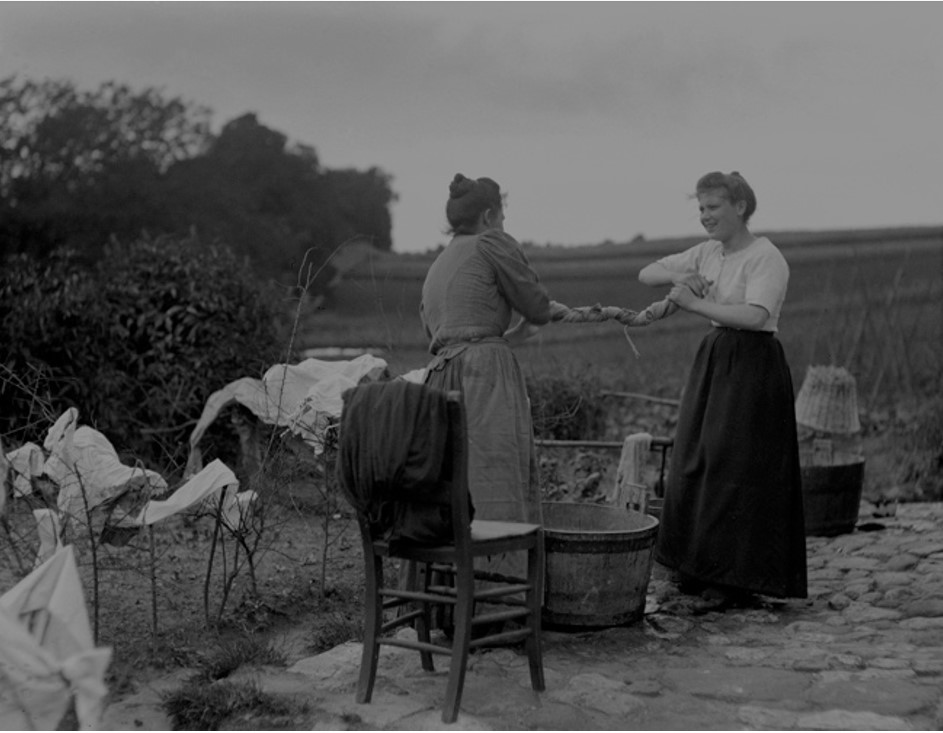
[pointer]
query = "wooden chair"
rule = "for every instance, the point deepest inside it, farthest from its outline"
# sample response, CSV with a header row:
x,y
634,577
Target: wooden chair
x,y
445,572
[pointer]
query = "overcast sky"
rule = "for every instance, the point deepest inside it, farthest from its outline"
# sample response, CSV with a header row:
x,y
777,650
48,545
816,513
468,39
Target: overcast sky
x,y
597,118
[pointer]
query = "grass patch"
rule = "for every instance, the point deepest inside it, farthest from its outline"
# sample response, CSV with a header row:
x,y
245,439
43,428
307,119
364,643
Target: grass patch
x,y
234,654
207,699
335,627
242,705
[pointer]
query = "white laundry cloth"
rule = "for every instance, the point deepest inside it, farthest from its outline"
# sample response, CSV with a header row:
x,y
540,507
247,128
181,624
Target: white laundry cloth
x,y
47,653
629,489
416,375
301,397
26,463
215,477
81,459
238,508
48,528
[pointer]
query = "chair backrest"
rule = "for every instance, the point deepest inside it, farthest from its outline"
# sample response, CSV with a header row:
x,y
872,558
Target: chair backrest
x,y
402,462
462,507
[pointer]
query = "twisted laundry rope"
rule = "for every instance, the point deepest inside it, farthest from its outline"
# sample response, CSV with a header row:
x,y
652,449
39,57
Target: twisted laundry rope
x,y
628,318
625,316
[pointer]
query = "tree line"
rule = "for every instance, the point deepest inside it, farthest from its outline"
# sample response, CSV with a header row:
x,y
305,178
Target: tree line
x,y
145,258
80,168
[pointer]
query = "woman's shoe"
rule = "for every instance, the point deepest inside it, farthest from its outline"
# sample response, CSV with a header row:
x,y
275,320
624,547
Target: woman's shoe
x,y
691,586
712,600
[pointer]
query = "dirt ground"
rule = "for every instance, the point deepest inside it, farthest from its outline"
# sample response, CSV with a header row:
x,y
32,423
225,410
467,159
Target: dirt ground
x,y
152,604
150,599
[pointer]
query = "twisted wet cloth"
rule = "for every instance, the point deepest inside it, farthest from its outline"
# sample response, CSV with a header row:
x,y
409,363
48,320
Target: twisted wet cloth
x,y
628,318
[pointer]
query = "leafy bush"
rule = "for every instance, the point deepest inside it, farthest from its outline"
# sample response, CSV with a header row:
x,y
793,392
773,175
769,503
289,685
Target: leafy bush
x,y
136,342
566,408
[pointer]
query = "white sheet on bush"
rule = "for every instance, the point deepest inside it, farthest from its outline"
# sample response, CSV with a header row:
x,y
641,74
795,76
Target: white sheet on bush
x,y
48,529
27,463
47,654
213,478
81,458
301,397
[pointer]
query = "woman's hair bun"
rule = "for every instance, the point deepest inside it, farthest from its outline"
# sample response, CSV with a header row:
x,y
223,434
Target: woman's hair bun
x,y
460,185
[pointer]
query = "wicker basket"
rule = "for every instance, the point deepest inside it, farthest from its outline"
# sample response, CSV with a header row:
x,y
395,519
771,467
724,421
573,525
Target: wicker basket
x,y
828,400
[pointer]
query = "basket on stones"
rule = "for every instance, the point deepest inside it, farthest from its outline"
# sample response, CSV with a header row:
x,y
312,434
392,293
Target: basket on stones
x,y
832,473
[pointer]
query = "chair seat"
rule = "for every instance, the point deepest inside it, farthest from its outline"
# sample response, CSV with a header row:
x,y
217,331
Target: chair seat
x,y
486,529
488,537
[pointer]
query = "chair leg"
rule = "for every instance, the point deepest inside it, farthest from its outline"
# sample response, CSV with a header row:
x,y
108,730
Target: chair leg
x,y
534,643
465,583
424,622
373,620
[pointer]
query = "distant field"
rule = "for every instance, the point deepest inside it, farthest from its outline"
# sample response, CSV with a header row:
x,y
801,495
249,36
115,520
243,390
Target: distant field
x,y
871,301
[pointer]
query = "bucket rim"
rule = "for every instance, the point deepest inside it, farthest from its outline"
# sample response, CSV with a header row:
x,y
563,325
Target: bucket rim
x,y
839,460
651,523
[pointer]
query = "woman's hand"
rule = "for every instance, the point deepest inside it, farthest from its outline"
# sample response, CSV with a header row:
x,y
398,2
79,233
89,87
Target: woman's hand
x,y
557,310
688,289
683,296
695,282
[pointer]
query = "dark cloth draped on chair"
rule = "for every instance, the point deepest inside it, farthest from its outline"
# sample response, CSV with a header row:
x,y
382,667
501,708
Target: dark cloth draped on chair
x,y
392,457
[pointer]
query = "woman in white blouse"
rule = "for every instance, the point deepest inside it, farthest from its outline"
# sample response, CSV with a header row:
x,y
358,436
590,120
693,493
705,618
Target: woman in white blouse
x,y
732,522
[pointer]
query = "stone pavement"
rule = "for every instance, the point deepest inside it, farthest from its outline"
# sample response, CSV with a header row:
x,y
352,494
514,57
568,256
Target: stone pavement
x,y
863,652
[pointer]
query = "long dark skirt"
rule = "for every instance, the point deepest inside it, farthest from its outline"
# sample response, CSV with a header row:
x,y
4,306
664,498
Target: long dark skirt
x,y
732,514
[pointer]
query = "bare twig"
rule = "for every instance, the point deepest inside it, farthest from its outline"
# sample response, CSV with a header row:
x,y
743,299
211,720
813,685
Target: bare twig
x,y
5,523
93,546
153,556
229,578
209,564
645,397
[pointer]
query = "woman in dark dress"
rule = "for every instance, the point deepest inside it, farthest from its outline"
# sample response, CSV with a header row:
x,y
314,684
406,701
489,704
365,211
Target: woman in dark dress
x,y
732,522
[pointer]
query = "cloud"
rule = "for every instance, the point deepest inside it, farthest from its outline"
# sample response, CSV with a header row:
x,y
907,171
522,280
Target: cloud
x,y
598,117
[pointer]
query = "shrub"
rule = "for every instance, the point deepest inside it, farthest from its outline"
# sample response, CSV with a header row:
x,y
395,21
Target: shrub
x,y
566,408
136,342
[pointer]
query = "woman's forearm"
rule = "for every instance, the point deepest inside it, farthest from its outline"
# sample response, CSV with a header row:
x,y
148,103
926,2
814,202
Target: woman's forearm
x,y
745,316
656,274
